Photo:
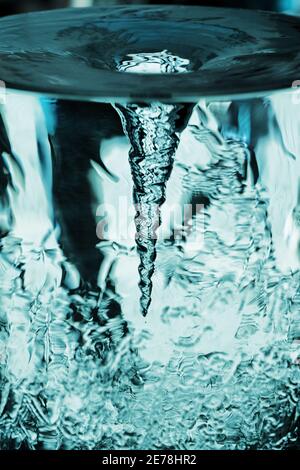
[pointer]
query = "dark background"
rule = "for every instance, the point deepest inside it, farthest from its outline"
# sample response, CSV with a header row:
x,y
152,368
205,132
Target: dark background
x,y
8,7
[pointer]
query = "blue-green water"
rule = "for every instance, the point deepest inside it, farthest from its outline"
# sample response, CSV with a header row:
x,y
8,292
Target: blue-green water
x,y
153,132
215,363
185,335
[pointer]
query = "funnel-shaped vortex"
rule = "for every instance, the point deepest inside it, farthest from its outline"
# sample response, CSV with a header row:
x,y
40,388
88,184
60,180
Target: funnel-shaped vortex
x,y
154,140
152,131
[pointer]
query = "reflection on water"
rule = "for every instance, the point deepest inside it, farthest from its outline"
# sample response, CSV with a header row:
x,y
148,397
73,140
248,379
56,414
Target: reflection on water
x,y
215,363
155,62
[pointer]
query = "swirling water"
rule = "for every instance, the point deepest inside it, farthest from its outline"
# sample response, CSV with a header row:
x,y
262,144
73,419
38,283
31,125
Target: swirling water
x,y
153,133
215,364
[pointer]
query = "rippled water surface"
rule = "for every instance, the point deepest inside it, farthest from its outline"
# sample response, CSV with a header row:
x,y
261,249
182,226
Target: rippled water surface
x,y
215,363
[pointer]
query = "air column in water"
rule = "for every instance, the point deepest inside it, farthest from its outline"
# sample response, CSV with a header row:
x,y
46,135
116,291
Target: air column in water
x,y
153,131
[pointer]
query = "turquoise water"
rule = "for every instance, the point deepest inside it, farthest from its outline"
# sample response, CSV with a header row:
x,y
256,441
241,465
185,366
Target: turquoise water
x,y
149,265
153,132
215,363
